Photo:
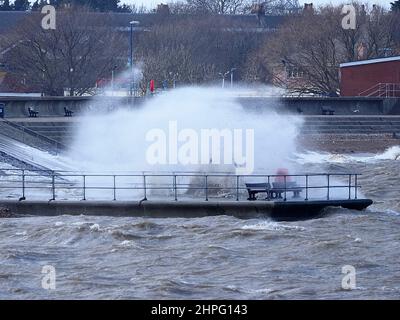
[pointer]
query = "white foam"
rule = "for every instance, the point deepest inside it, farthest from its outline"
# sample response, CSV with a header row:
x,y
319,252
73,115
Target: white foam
x,y
127,243
271,226
392,153
392,212
95,227
116,141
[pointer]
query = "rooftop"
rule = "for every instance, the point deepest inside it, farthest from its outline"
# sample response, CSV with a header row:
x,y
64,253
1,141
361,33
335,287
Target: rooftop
x,y
9,19
369,61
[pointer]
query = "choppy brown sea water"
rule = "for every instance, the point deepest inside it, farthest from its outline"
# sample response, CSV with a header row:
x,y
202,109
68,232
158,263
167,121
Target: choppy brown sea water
x,y
215,257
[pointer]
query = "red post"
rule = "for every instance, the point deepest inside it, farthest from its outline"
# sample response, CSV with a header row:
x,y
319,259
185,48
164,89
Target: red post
x,y
152,86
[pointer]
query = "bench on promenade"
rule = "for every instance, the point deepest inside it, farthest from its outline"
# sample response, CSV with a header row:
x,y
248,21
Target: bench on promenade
x,y
32,113
68,113
327,111
279,187
254,188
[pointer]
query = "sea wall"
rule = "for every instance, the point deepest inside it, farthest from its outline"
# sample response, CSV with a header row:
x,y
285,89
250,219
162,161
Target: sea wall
x,y
279,210
54,106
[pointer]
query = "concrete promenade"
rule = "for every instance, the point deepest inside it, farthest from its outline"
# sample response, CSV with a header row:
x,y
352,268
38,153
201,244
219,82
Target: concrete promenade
x,y
278,210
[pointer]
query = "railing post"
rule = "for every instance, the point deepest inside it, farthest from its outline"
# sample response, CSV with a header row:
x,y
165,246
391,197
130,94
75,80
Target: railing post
x,y
84,187
284,177
349,186
23,185
114,188
328,186
306,187
356,185
144,187
175,189
206,188
237,188
53,186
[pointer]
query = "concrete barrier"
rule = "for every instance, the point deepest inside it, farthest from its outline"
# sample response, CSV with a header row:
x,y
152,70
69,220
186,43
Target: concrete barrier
x,y
16,107
278,210
314,105
54,106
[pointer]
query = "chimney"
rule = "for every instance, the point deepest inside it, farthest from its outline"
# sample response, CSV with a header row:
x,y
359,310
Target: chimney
x,y
308,7
163,9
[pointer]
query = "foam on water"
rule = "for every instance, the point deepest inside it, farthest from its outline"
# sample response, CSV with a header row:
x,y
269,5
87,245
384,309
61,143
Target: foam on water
x,y
392,153
271,226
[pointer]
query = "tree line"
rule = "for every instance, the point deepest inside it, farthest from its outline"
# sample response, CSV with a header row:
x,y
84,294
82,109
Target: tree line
x,y
311,46
302,55
184,6
95,5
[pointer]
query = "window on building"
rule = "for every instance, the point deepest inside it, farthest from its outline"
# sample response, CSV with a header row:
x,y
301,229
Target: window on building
x,y
294,73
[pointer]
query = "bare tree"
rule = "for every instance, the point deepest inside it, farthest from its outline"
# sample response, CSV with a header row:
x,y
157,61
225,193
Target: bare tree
x,y
74,56
305,54
194,49
380,38
217,6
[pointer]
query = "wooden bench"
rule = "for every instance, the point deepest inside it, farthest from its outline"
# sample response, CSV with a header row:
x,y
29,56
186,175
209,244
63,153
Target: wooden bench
x,y
254,188
279,187
68,113
32,113
327,111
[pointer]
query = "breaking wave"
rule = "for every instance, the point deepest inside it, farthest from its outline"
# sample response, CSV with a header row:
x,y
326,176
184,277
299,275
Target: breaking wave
x,y
392,153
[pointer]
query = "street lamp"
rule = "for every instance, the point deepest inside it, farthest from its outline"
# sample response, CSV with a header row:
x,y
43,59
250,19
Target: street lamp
x,y
285,73
174,76
233,69
132,23
112,79
223,75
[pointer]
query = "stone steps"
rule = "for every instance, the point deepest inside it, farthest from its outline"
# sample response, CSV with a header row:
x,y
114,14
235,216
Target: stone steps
x,y
61,131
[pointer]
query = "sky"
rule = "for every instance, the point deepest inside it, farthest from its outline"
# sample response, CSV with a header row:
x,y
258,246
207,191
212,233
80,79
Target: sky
x,y
153,3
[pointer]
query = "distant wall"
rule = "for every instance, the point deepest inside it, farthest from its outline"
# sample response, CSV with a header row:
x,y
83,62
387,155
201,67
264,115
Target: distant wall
x,y
54,106
341,105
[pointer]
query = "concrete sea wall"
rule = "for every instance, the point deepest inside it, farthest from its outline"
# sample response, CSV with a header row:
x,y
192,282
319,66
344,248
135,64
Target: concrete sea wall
x,y
279,210
54,106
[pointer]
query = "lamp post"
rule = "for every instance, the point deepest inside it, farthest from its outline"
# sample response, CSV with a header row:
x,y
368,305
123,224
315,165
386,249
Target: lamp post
x,y
223,75
112,80
174,76
285,73
233,69
132,23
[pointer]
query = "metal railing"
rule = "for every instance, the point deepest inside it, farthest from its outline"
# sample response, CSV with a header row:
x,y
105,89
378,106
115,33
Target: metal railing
x,y
384,90
56,146
58,185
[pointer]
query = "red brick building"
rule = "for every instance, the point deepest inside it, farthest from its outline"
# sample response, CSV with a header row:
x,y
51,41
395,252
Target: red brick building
x,y
371,78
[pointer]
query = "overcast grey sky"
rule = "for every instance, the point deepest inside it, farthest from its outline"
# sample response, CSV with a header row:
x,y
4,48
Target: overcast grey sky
x,y
153,3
